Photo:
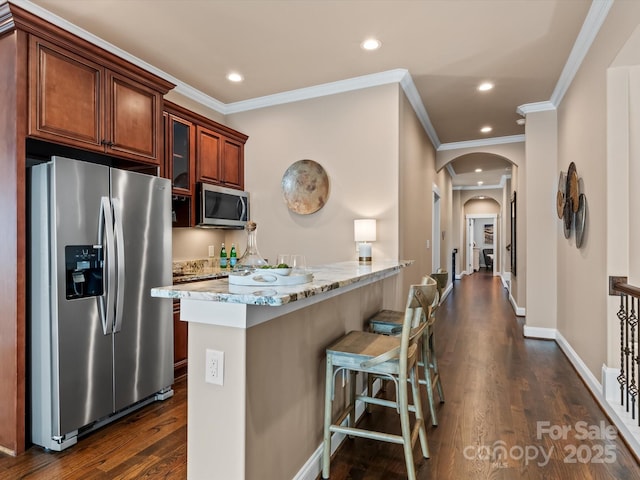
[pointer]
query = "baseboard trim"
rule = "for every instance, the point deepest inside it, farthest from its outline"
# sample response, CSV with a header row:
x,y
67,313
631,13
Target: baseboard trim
x,y
539,332
446,292
629,431
313,466
520,311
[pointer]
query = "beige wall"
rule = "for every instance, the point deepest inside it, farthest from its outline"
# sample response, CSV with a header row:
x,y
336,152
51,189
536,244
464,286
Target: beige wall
x,y
582,138
415,204
540,221
354,137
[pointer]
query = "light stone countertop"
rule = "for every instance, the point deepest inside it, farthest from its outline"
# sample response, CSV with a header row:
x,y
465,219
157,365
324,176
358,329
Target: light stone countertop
x,y
325,278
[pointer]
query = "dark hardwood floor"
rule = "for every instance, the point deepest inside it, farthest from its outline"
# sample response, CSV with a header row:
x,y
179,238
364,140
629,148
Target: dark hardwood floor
x,y
150,443
498,386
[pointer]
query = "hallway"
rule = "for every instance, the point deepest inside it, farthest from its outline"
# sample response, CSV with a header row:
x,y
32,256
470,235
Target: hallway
x,y
517,398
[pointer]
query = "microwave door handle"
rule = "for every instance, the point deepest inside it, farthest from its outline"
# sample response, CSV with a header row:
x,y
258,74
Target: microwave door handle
x,y
119,243
105,233
243,207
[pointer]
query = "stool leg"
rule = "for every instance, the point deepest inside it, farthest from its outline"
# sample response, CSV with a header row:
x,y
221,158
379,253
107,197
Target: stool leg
x,y
403,404
417,403
352,399
370,380
426,360
434,362
326,442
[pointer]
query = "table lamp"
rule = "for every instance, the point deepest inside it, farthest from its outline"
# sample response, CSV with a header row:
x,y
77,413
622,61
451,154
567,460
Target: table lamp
x,y
364,231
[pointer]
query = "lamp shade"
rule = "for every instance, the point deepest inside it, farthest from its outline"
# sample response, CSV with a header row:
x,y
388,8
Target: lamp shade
x,y
364,230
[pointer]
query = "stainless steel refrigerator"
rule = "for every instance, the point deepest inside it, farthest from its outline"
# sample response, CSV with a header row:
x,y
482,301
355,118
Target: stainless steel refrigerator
x,y
100,345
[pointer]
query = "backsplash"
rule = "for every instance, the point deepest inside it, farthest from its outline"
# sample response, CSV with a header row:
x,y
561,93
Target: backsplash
x,y
185,267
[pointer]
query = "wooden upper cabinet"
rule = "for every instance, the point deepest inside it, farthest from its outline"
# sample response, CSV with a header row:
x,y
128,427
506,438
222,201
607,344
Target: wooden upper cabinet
x,y
76,101
218,150
233,163
134,113
208,148
66,100
220,159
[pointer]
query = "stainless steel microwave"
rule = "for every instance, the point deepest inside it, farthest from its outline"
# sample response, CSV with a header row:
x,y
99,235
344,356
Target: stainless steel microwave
x,y
221,207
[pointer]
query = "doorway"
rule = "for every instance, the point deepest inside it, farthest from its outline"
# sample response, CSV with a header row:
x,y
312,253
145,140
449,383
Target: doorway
x,y
435,260
481,236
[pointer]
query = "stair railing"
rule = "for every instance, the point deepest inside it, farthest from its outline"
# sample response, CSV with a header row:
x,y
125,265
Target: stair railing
x,y
627,314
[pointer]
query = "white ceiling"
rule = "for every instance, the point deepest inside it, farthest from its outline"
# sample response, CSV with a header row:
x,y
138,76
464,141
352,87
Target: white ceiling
x,y
447,47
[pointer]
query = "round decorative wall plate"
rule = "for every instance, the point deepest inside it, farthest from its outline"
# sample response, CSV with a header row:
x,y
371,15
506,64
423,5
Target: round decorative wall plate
x,y
572,187
560,195
305,187
580,218
568,217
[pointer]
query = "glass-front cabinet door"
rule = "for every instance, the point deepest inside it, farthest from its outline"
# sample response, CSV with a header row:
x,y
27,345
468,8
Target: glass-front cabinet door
x,y
182,157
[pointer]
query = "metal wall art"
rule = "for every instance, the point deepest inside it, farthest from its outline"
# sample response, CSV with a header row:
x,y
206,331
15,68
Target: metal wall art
x,y
571,205
305,187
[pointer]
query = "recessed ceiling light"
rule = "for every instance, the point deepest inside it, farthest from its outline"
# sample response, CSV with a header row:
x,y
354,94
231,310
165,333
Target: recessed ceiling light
x,y
480,183
483,87
486,129
478,170
371,44
235,77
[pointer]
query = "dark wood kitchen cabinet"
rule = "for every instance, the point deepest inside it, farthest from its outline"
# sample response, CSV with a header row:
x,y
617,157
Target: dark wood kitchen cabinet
x,y
75,100
180,343
220,158
81,95
199,149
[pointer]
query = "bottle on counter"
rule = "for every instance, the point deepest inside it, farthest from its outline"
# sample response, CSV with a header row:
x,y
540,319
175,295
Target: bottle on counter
x,y
233,256
223,257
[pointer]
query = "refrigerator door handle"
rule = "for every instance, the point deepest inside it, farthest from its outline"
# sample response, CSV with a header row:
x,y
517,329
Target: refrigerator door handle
x,y
105,233
119,241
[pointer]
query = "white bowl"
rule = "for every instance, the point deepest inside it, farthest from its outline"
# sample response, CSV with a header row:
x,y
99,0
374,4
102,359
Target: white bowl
x,y
279,271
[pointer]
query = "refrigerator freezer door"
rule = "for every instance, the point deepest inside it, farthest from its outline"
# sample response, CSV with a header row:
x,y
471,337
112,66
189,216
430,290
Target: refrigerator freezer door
x,y
81,353
143,342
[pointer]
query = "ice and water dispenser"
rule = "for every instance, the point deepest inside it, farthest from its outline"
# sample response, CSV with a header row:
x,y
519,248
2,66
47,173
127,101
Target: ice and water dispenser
x,y
84,271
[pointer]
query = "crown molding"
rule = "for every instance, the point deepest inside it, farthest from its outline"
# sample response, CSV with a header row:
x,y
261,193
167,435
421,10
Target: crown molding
x,y
415,100
331,88
482,143
91,38
535,107
595,18
590,28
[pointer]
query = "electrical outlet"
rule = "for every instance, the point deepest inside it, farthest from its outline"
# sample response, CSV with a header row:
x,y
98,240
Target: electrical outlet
x,y
214,367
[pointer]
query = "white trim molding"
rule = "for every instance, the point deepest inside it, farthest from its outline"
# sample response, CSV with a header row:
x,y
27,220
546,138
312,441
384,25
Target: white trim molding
x,y
594,20
596,16
535,107
520,311
603,393
484,142
539,332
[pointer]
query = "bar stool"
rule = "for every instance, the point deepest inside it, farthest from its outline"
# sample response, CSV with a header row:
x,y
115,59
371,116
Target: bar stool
x,y
392,357
441,276
389,322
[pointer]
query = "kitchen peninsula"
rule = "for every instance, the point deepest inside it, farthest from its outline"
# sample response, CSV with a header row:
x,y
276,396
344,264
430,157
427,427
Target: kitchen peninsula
x,y
266,419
